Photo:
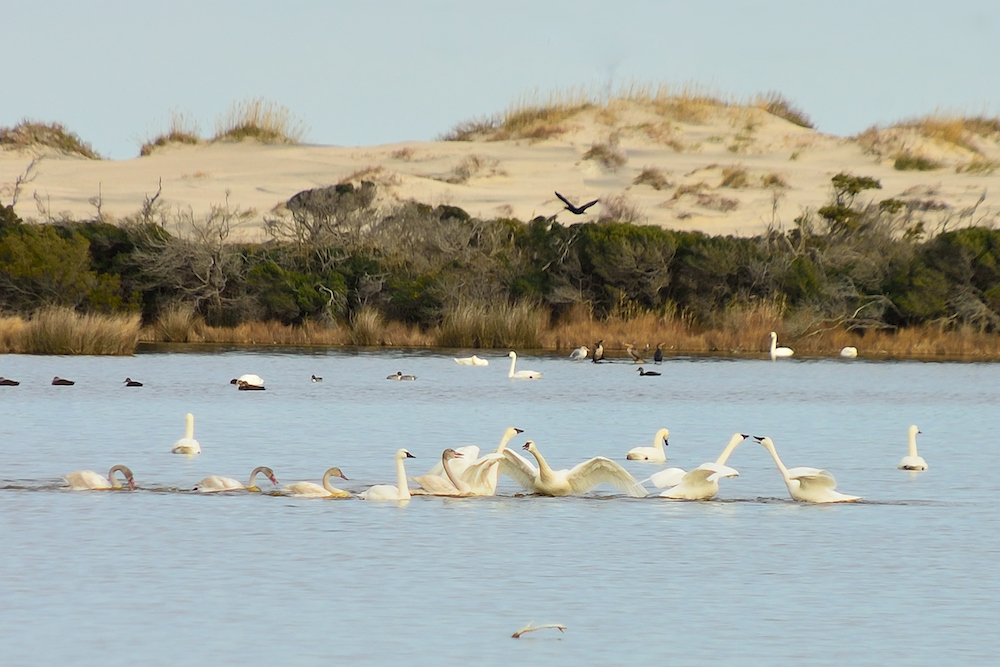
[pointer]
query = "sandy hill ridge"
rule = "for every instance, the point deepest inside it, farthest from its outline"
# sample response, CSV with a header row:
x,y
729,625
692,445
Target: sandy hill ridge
x,y
682,163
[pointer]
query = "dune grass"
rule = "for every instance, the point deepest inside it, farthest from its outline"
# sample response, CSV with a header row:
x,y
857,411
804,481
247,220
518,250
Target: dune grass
x,y
31,134
260,120
182,130
64,331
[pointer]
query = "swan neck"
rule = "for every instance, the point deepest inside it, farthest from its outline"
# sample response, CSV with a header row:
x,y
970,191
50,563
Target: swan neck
x,y
513,360
658,444
727,452
401,484
458,484
189,427
781,466
503,442
326,481
113,479
544,471
913,444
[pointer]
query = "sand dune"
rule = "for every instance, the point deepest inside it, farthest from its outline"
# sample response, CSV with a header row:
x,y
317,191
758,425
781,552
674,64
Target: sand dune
x,y
775,169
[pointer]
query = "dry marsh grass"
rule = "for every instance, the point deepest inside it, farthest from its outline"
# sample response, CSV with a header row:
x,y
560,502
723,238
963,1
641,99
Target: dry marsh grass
x,y
32,134
260,120
176,324
64,331
495,325
977,165
776,104
735,176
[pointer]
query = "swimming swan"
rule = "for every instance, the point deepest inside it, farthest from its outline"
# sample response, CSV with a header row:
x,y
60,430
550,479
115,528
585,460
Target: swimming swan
x,y
912,461
702,483
656,453
849,352
187,444
480,474
520,375
471,361
808,485
83,480
215,483
388,492
250,379
450,484
580,479
579,353
312,490
779,351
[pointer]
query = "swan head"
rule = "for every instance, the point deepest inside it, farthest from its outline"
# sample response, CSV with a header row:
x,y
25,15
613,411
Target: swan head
x,y
450,454
663,434
530,446
512,431
512,354
270,474
403,454
125,470
335,472
765,441
914,430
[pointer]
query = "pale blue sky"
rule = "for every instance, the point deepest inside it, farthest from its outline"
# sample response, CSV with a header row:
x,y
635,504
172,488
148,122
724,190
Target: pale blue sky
x,y
370,72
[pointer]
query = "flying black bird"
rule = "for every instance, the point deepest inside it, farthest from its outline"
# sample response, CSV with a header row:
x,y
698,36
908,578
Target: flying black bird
x,y
579,210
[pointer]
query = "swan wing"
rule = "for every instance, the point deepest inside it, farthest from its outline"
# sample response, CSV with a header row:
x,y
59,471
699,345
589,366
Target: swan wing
x,y
601,470
667,477
711,472
813,477
436,485
306,489
519,469
477,474
86,479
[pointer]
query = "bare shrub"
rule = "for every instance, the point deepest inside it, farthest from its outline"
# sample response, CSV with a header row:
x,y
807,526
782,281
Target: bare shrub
x,y
620,208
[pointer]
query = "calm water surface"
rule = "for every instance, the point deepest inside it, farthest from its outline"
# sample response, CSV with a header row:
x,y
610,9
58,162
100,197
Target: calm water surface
x,y
166,576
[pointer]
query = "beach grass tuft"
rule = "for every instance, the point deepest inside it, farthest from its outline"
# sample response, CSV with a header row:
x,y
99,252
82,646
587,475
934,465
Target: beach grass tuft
x,y
182,130
260,120
31,134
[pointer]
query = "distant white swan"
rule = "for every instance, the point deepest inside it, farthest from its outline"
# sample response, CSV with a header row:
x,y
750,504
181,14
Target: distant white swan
x,y
808,485
656,453
849,352
312,490
702,483
580,479
776,351
215,483
187,444
912,461
250,379
450,484
83,480
388,492
520,375
579,353
471,361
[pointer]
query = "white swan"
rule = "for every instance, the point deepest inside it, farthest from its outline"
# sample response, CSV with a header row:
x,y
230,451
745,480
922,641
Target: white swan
x,y
215,483
849,352
312,490
250,379
83,480
912,461
481,474
808,485
580,479
450,484
779,351
520,375
702,483
388,492
579,353
471,361
656,453
187,444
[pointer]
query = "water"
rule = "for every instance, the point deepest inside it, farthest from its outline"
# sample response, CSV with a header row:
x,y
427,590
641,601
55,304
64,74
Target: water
x,y
165,576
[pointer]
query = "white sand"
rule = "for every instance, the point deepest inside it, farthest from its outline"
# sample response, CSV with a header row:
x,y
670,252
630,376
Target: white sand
x,y
518,178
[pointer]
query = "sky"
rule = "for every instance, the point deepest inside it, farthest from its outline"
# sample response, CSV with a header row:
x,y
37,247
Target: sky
x,y
383,71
